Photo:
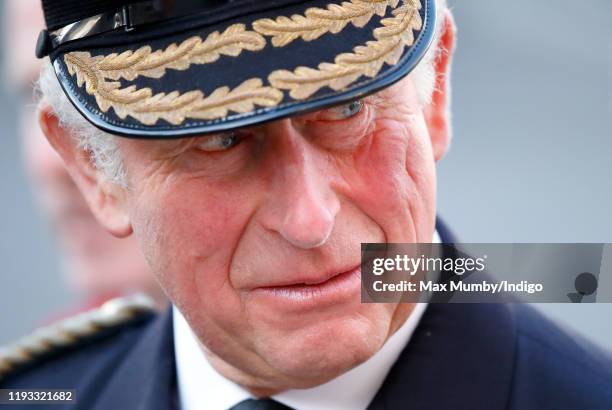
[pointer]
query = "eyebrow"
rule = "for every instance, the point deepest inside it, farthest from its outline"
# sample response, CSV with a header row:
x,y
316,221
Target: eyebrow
x,y
165,149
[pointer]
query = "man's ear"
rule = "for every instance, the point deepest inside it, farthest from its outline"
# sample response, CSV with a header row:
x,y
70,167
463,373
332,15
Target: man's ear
x,y
106,200
437,113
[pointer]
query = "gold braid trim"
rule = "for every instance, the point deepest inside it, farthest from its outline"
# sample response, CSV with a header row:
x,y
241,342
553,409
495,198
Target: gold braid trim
x,y
130,64
391,38
317,21
72,331
173,107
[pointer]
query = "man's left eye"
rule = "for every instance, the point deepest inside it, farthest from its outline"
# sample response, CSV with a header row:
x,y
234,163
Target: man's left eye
x,y
218,142
342,112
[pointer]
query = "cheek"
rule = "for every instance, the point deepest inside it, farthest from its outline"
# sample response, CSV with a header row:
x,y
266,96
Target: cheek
x,y
189,229
396,186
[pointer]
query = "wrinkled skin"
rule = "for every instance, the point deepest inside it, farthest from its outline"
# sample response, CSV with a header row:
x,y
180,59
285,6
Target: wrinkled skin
x,y
281,203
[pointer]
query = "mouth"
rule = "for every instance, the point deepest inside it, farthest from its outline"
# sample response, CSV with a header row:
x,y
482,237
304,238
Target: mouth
x,y
324,290
309,280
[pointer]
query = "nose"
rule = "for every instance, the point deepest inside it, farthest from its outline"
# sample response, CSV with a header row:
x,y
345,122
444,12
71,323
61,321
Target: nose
x,y
303,203
309,213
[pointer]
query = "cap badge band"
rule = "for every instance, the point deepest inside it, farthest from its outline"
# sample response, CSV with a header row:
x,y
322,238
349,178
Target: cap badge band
x,y
100,74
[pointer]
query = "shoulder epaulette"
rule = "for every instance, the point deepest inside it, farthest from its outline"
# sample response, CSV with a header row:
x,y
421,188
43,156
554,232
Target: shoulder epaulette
x,y
69,332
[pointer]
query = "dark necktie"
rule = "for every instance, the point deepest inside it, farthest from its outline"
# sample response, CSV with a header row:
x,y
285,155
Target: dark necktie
x,y
260,404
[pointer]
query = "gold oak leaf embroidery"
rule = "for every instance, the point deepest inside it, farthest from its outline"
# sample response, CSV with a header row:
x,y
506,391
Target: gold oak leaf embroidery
x,y
99,74
366,60
317,21
143,61
173,107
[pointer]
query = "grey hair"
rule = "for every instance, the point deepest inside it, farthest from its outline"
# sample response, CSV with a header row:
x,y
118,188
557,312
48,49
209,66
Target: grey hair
x,y
101,146
104,149
424,74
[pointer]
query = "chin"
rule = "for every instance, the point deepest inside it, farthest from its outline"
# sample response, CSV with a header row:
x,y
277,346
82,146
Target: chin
x,y
317,353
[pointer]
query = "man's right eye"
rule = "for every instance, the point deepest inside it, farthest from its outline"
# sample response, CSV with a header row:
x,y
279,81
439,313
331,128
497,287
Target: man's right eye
x,y
218,142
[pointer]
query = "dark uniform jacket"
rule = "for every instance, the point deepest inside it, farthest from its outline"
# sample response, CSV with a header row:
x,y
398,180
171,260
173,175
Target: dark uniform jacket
x,y
461,356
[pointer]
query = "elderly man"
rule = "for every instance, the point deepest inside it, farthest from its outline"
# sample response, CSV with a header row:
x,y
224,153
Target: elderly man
x,y
254,147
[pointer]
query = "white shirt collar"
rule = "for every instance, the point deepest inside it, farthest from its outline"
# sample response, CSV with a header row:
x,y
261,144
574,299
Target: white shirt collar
x,y
199,384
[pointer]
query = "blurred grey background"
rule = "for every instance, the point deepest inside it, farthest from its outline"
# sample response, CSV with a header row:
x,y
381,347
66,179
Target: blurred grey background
x,y
530,159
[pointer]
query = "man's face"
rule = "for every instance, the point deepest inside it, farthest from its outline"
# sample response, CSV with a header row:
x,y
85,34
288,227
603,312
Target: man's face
x,y
256,236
